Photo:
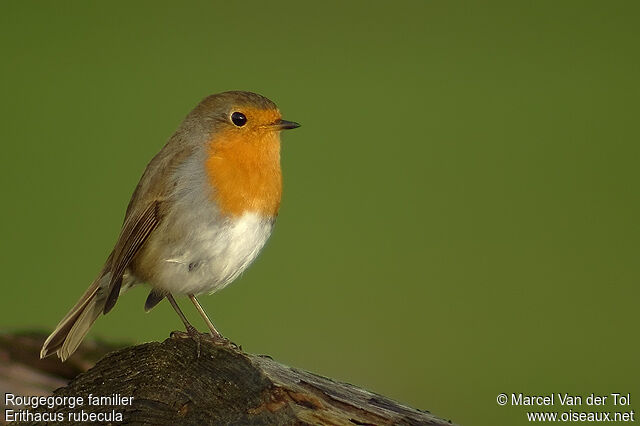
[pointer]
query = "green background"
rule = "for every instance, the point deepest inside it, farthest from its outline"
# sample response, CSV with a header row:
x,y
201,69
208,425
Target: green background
x,y
460,211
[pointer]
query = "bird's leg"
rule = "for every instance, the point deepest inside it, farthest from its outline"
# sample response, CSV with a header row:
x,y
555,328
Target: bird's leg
x,y
186,322
215,334
191,330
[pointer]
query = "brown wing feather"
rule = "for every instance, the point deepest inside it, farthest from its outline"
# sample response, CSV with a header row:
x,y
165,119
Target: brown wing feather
x,y
134,235
156,182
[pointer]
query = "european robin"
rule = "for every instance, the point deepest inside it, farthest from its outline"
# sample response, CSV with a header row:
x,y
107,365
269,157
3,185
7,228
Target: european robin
x,y
202,211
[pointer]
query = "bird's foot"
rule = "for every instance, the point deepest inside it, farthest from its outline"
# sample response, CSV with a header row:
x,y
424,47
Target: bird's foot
x,y
220,340
198,337
191,333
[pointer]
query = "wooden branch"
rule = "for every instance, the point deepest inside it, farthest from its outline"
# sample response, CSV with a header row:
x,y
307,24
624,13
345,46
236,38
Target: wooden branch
x,y
24,373
172,385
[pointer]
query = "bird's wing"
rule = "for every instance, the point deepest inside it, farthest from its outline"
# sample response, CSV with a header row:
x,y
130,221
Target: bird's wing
x,y
144,210
134,233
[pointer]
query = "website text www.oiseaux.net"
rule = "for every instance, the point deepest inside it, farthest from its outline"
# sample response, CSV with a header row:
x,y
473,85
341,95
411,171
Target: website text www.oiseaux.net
x,y
572,405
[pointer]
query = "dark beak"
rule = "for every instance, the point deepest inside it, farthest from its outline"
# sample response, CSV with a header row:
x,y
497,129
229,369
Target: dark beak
x,y
285,125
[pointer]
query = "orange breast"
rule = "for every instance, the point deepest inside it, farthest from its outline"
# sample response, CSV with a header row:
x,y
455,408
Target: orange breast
x,y
245,173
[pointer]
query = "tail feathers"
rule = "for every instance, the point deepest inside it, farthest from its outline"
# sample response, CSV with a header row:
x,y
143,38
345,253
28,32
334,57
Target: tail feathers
x,y
69,333
80,328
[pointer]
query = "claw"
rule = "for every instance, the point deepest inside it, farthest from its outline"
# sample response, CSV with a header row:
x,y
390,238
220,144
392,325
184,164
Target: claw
x,y
191,333
195,335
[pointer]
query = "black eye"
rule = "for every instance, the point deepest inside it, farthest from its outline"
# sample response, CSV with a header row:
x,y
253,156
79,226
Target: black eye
x,y
238,119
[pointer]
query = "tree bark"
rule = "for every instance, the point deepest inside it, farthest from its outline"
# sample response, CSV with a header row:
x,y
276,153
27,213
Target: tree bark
x,y
172,384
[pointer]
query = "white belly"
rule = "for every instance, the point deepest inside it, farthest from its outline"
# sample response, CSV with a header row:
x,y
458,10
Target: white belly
x,y
211,254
